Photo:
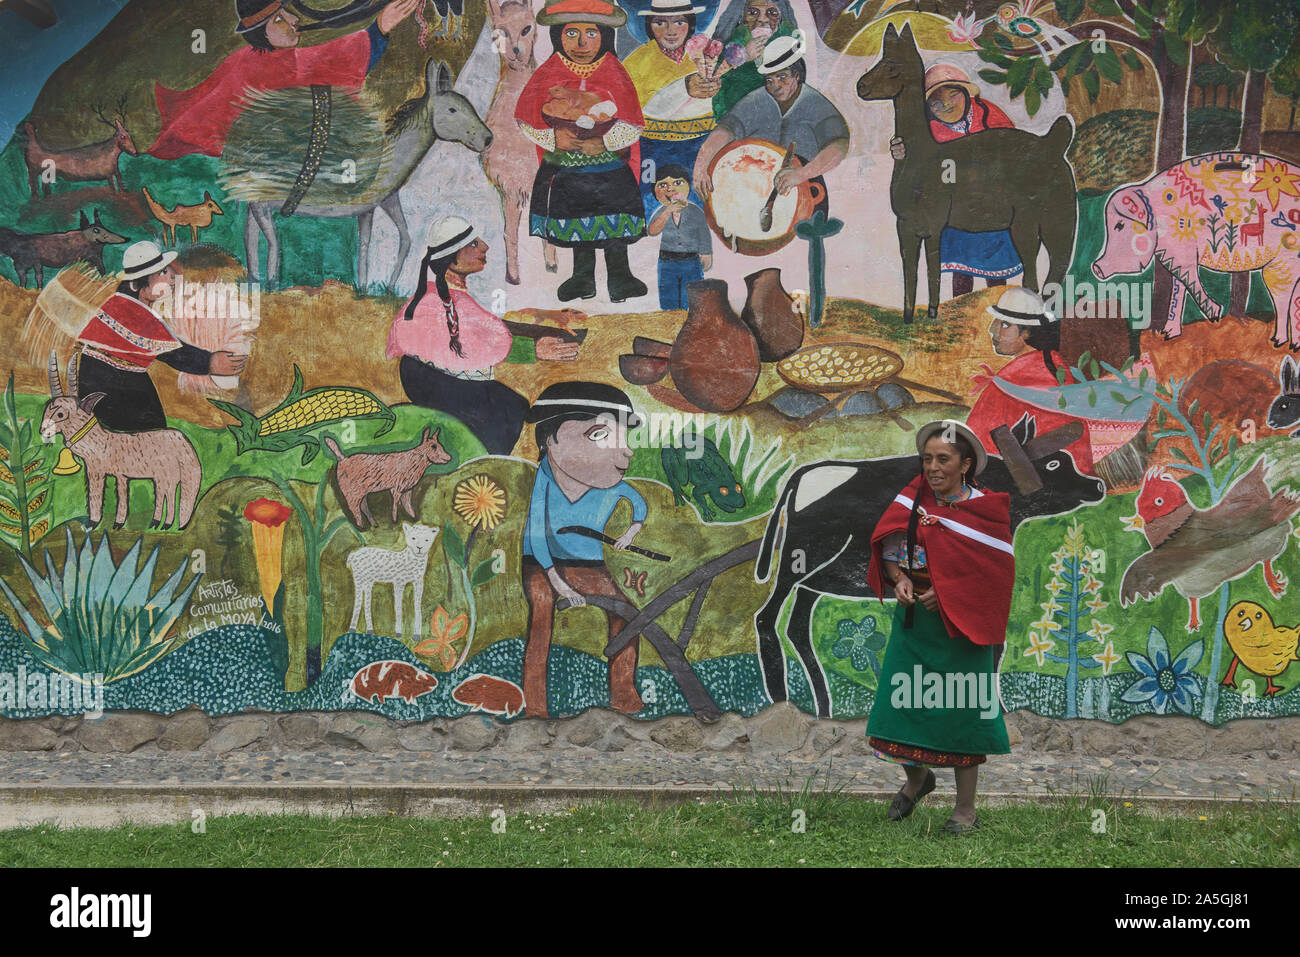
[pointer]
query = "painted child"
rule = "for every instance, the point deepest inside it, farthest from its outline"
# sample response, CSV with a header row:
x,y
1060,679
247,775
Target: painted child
x,y
581,430
686,245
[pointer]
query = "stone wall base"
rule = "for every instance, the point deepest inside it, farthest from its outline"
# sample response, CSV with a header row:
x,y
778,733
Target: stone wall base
x,y
781,729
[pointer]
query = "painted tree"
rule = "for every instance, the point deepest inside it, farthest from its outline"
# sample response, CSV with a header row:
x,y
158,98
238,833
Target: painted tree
x,y
1069,614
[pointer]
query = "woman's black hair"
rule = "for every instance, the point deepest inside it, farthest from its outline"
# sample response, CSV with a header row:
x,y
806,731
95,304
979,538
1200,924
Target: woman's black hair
x,y
1046,339
606,39
964,451
689,18
439,269
132,287
257,39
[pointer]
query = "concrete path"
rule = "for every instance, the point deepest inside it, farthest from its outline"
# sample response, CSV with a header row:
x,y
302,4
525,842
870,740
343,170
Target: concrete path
x,y
73,787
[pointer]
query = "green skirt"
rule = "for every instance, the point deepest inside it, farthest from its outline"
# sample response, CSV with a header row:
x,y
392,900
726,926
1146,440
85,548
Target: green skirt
x,y
936,694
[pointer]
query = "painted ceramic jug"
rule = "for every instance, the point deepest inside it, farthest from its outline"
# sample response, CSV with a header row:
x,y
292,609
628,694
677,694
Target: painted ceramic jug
x,y
714,362
769,312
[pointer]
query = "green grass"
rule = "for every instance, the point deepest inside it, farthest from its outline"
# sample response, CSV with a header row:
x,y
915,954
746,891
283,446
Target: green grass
x,y
748,829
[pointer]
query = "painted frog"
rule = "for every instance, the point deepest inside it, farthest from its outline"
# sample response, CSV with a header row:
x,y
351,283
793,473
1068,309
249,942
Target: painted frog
x,y
699,464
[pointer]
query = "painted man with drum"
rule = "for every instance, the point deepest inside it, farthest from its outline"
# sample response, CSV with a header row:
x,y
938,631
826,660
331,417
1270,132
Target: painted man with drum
x,y
786,110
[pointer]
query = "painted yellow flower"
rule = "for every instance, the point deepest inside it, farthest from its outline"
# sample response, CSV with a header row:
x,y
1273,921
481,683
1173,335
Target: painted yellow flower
x,y
1184,223
480,501
1038,647
267,518
1274,180
1107,658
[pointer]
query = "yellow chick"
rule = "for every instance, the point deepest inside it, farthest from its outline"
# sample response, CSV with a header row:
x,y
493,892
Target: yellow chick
x,y
1263,647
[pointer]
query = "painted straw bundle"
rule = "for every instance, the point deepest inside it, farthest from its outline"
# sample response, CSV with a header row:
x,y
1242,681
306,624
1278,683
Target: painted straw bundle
x,y
216,323
63,308
268,143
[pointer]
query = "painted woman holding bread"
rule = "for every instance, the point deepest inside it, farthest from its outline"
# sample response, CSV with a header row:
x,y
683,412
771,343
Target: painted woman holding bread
x,y
943,549
581,109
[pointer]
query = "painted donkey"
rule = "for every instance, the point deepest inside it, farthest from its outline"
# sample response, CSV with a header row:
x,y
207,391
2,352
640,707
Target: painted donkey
x,y
831,509
997,179
439,113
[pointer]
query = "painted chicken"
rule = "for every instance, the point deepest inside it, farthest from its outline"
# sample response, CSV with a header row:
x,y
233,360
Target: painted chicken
x,y
1263,647
1197,550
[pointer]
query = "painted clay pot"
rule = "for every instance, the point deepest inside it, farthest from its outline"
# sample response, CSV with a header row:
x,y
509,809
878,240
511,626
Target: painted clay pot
x,y
642,370
769,313
714,363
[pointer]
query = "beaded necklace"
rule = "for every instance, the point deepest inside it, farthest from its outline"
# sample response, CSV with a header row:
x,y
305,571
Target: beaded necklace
x,y
584,70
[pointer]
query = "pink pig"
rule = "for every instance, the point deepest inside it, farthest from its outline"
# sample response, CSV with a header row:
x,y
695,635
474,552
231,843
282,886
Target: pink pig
x,y
1230,212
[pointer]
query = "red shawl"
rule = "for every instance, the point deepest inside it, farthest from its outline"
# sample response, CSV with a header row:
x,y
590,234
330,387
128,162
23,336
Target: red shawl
x,y
609,77
942,133
197,120
129,331
968,547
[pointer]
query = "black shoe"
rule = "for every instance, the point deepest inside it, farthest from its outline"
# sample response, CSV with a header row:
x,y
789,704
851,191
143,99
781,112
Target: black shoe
x,y
622,284
956,828
902,805
582,284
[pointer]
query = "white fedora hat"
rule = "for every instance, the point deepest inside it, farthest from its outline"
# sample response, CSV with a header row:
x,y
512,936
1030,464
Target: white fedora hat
x,y
144,259
945,428
1022,307
669,8
782,52
449,234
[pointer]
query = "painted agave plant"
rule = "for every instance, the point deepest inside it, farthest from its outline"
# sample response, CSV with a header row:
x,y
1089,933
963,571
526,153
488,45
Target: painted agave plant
x,y
102,617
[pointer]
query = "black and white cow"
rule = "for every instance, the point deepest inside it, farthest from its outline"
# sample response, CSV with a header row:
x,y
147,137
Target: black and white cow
x,y
831,508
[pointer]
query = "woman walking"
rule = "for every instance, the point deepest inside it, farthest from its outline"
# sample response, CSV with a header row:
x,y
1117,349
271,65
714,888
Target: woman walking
x,y
449,344
943,549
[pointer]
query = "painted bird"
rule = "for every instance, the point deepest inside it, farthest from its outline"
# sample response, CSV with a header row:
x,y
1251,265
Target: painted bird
x,y
1263,647
1197,550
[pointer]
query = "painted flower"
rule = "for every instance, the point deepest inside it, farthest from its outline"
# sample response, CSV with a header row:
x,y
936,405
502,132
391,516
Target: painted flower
x,y
1039,645
1107,658
480,501
1275,180
965,30
446,632
1163,682
860,642
267,518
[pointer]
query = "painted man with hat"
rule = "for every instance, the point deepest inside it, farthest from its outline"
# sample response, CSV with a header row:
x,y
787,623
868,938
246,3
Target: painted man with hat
x,y
1025,329
581,430
581,110
943,550
786,110
126,335
956,109
198,120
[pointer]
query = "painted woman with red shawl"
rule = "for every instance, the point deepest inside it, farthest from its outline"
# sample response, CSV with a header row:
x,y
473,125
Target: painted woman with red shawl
x,y
943,549
581,109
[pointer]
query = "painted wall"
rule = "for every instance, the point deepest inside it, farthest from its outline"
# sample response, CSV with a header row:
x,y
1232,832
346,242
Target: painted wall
x,y
1148,186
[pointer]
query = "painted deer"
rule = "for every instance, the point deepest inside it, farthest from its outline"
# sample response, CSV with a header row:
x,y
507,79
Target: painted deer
x,y
511,161
164,457
94,161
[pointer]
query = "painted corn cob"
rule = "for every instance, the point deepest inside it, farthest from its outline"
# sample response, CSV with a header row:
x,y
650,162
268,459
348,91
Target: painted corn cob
x,y
288,424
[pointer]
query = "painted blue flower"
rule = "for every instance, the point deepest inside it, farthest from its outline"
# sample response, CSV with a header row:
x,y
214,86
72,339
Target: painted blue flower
x,y
1161,681
860,642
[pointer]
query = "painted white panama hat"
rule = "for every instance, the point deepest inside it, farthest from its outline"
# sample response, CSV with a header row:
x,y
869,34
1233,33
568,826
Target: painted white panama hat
x,y
144,259
1022,307
669,8
950,426
449,234
782,52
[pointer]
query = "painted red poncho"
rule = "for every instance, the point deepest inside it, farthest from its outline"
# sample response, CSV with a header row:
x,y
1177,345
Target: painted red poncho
x,y
198,120
996,407
942,132
971,562
609,76
126,332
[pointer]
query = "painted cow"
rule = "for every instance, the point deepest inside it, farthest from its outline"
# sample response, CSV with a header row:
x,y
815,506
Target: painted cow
x,y
1230,212
831,509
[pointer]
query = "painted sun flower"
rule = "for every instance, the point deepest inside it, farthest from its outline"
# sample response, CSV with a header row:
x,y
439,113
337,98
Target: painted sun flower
x,y
1163,682
1275,180
480,501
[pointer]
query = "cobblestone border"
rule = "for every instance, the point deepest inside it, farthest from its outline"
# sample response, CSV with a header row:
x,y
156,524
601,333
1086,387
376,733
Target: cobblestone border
x,y
781,729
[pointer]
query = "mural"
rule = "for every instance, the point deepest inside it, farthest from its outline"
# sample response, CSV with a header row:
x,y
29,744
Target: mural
x,y
602,410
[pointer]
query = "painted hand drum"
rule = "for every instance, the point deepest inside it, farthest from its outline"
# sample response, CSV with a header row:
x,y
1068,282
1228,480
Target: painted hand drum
x,y
743,175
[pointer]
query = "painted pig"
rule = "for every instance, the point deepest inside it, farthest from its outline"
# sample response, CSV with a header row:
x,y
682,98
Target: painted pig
x,y
1230,212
